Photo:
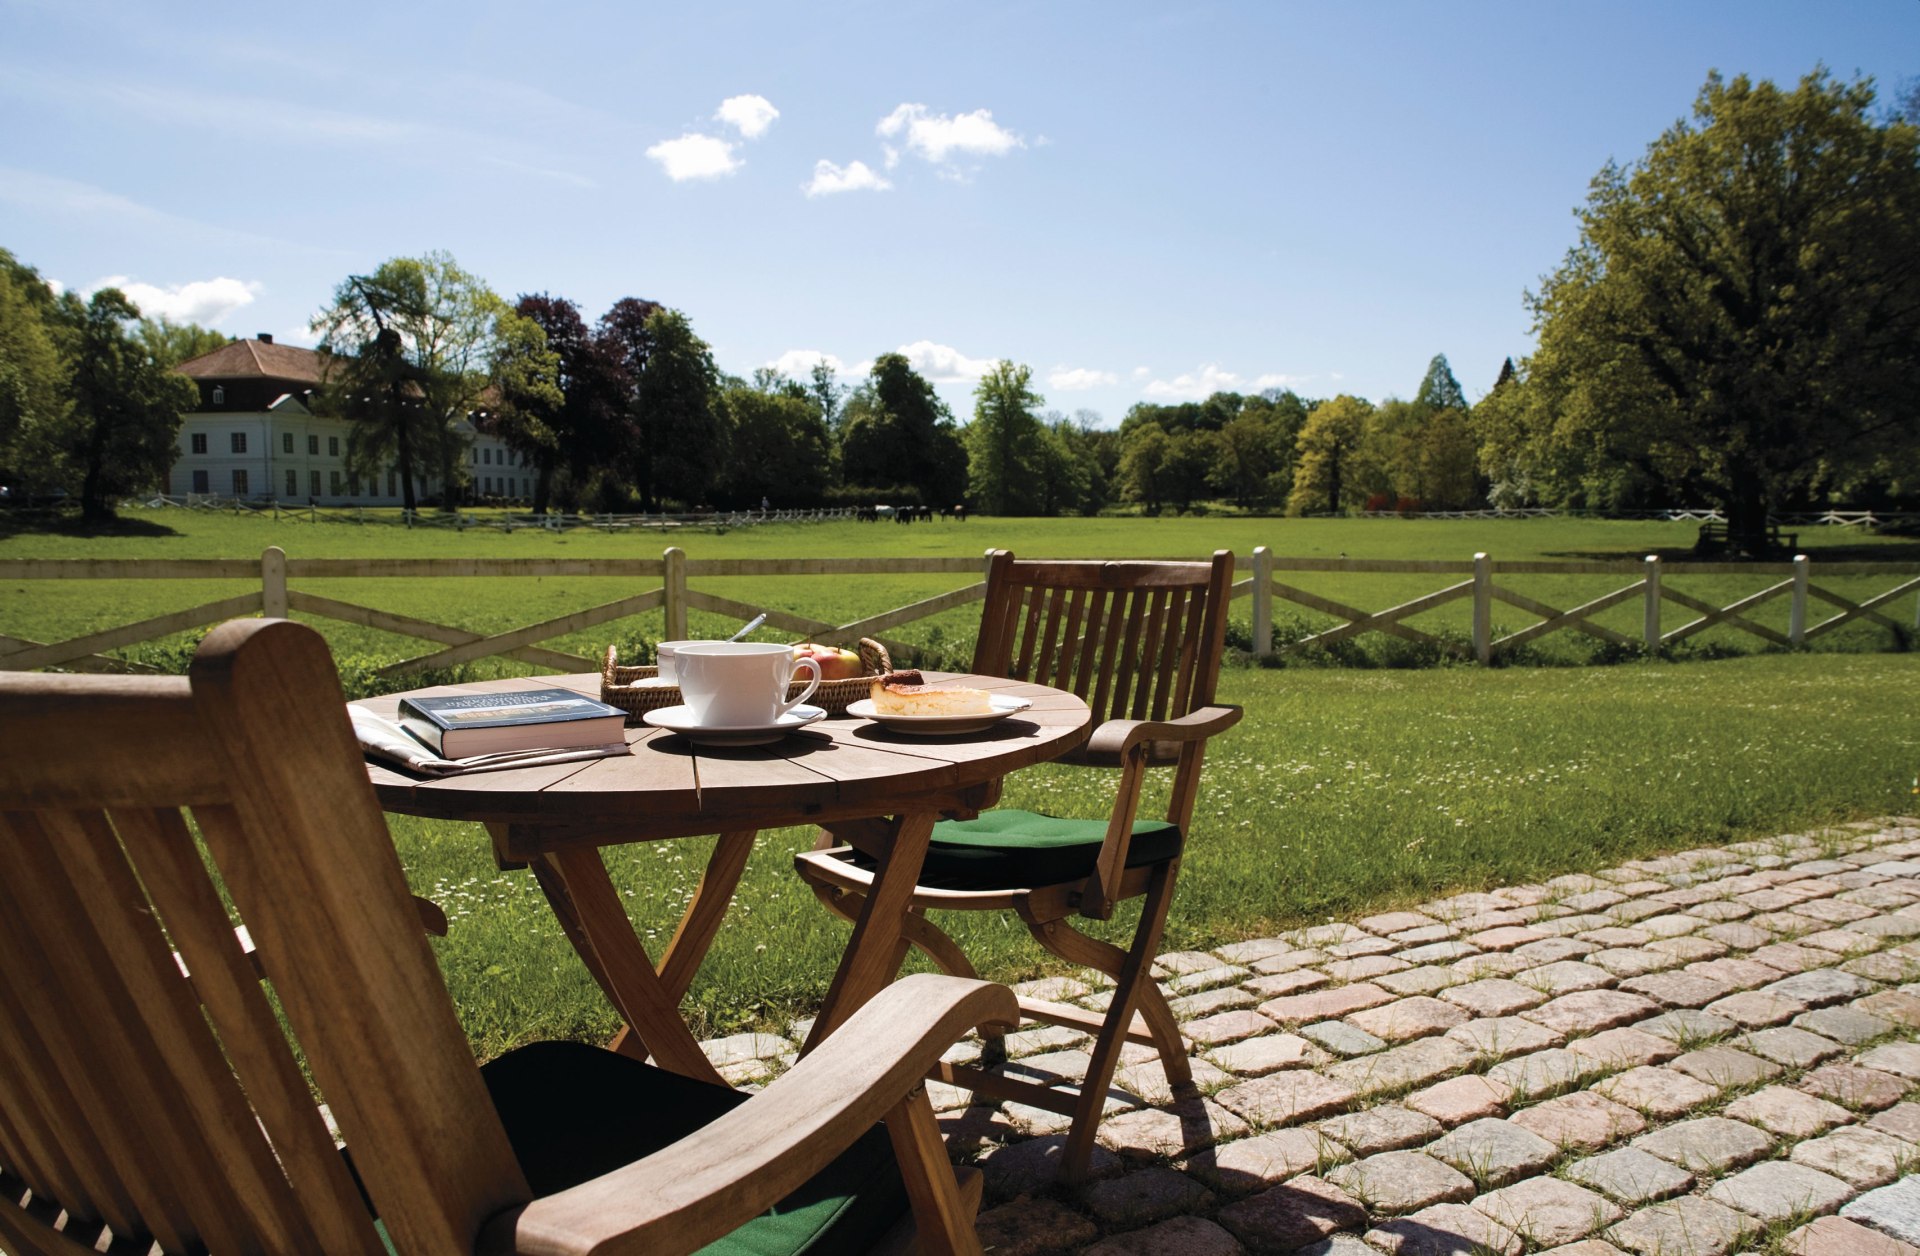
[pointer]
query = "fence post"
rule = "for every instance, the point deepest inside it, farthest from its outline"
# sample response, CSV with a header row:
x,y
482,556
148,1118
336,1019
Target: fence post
x,y
676,588
1483,609
1797,619
1262,601
273,582
1651,627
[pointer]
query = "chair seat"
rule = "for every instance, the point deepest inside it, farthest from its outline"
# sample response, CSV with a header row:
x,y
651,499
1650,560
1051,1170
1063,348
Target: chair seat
x,y
573,1112
1009,848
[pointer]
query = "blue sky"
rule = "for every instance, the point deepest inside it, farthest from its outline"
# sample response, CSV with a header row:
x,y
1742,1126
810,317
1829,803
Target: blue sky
x,y
1139,201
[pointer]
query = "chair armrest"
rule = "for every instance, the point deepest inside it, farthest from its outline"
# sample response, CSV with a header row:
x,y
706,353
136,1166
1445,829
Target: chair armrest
x,y
707,1184
1112,740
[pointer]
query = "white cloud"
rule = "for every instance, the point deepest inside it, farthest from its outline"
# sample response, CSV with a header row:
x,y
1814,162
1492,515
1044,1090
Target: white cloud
x,y
1141,372
936,136
855,176
1192,386
944,364
1263,382
1080,378
799,363
751,115
695,156
204,301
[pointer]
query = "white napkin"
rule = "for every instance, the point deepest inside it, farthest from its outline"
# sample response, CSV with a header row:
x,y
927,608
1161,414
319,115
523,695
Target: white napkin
x,y
387,740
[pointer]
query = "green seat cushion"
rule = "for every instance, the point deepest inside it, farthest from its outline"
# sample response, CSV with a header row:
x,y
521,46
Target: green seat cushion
x,y
1008,848
573,1112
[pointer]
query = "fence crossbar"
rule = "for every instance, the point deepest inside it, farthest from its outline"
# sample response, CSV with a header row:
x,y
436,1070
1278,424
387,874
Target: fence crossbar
x,y
1728,615
1387,621
1854,610
530,633
1553,619
130,634
425,630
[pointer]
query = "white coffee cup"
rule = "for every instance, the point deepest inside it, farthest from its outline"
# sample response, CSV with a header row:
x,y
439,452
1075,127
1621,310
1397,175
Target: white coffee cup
x,y
664,652
740,684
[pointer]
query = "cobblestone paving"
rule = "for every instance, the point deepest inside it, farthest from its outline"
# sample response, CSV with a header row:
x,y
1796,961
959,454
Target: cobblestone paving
x,y
1707,1053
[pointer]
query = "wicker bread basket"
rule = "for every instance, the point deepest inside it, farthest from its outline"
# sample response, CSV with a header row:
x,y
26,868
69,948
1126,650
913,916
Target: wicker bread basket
x,y
617,685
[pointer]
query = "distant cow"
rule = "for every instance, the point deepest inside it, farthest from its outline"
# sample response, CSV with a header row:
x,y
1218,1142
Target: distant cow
x,y
959,512
866,514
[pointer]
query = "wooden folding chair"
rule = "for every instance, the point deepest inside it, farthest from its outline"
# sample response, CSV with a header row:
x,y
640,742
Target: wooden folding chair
x,y
154,1090
1141,643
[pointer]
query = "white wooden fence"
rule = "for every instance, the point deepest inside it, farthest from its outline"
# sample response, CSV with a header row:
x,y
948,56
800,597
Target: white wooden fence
x,y
1482,582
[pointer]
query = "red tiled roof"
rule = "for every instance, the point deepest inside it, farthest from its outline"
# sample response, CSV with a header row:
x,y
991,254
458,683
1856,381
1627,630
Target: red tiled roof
x,y
257,359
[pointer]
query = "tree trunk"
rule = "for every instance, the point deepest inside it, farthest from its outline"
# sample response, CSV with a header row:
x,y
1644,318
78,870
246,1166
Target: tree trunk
x,y
403,446
1746,508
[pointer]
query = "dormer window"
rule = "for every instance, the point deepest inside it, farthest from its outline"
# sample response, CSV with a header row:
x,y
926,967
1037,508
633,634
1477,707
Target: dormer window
x,y
219,395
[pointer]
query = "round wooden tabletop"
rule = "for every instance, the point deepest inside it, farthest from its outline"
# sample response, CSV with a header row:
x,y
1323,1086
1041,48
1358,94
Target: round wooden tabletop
x,y
839,768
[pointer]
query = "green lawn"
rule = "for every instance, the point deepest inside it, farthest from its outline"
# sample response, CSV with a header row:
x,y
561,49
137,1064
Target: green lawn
x,y
1342,790
49,610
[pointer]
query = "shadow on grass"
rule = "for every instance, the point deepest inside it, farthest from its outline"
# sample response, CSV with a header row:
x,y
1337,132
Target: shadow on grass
x,y
43,523
1890,551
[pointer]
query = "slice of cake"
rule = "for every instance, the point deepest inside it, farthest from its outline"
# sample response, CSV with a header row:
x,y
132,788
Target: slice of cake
x,y
904,693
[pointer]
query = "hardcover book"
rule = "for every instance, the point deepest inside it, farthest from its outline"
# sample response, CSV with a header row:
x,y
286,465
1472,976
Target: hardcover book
x,y
459,726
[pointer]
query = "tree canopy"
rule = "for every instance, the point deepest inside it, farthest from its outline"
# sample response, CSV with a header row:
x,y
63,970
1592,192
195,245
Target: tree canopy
x,y
1740,320
1007,450
412,342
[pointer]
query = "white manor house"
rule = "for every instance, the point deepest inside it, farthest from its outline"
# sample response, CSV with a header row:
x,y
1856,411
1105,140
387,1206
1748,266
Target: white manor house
x,y
254,437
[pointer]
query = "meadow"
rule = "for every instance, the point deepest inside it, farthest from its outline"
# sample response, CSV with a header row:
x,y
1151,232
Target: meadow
x,y
1344,788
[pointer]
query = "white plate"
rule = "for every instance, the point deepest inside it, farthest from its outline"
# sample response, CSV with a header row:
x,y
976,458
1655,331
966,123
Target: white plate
x,y
940,725
679,719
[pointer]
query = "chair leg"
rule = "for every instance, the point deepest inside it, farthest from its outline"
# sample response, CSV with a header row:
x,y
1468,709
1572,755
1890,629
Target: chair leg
x,y
941,949
1134,988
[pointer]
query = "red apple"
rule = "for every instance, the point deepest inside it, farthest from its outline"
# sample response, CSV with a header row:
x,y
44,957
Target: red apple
x,y
835,663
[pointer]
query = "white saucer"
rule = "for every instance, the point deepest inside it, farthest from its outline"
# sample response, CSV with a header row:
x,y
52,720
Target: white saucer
x,y
679,719
940,725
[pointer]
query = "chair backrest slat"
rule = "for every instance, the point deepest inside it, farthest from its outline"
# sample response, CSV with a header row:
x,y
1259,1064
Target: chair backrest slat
x,y
1136,640
234,1003
147,1081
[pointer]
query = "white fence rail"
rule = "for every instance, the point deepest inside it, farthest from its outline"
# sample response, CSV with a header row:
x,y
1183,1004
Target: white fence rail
x,y
667,588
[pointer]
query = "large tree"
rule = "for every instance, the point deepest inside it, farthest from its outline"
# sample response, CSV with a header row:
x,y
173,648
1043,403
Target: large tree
x,y
898,433
171,343
33,375
1007,449
1741,317
527,398
119,433
781,451
684,439
411,345
1323,478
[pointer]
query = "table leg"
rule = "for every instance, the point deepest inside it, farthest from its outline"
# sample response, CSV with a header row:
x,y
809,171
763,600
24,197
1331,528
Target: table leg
x,y
621,965
873,954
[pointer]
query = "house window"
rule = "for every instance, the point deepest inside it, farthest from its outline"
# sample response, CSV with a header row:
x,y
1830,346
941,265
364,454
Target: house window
x,y
293,484
313,483
313,445
393,484
240,483
286,442
336,484
353,487
239,441
199,440
200,482
219,395
333,446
